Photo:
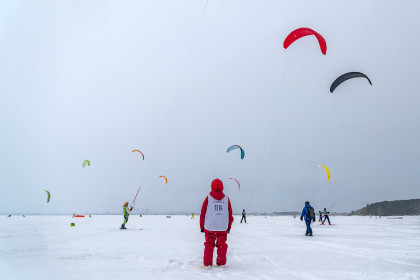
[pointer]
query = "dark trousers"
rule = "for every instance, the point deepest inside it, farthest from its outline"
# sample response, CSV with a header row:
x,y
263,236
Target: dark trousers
x,y
326,218
308,226
243,218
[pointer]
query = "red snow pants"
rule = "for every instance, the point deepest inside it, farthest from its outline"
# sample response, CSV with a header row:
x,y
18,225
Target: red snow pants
x,y
215,239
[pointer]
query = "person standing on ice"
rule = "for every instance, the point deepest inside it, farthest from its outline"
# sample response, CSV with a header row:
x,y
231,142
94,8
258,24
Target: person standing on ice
x,y
243,216
326,214
309,214
320,216
126,214
215,221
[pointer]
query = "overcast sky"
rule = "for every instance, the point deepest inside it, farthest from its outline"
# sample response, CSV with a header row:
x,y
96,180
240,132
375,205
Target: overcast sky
x,y
183,80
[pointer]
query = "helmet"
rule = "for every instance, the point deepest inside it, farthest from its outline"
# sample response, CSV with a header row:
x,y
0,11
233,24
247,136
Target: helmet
x,y
125,203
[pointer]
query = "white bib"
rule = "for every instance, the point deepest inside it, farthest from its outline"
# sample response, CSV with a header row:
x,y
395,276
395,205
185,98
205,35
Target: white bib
x,y
217,214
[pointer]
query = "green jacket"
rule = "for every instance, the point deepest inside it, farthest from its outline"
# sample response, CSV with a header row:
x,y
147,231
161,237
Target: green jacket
x,y
126,210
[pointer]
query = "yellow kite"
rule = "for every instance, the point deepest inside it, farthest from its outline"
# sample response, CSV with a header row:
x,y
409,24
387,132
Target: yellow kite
x,y
328,172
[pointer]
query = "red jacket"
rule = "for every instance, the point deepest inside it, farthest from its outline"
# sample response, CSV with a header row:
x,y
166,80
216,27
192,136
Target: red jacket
x,y
218,195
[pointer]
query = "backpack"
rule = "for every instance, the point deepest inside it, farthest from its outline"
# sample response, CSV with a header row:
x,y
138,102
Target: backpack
x,y
310,213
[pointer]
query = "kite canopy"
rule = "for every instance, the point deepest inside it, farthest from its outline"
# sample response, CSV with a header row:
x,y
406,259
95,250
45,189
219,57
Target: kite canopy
x,y
139,152
161,176
302,32
86,162
326,170
237,182
233,147
346,77
48,196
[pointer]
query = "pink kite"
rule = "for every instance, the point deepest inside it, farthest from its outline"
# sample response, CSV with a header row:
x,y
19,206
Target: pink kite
x,y
237,182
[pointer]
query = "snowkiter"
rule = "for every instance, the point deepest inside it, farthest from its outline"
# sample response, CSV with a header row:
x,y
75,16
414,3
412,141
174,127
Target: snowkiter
x,y
326,214
320,216
192,216
309,214
215,221
243,216
126,211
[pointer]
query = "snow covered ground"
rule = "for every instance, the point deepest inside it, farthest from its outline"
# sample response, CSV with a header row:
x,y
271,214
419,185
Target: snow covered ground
x,y
156,247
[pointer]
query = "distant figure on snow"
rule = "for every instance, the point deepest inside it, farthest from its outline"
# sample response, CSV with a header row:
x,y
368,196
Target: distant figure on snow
x,y
215,220
320,216
192,216
126,214
243,216
309,214
326,214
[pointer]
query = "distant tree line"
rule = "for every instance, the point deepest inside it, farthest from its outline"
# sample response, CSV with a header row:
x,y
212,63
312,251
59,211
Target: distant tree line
x,y
390,208
286,213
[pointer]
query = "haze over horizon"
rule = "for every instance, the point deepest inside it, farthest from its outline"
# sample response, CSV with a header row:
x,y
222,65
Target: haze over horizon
x,y
183,80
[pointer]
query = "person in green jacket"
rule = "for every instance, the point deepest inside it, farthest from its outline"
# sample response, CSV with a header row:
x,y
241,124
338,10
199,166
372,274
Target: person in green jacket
x,y
126,214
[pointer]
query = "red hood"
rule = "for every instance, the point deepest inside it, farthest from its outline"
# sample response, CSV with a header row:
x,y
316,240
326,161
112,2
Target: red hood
x,y
218,195
217,189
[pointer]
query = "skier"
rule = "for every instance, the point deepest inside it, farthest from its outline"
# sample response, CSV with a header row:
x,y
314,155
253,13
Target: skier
x,y
309,214
326,214
215,220
126,214
192,216
243,216
320,216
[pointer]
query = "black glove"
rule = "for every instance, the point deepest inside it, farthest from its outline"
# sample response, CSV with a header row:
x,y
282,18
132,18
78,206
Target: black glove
x,y
131,208
313,220
228,230
202,230
301,218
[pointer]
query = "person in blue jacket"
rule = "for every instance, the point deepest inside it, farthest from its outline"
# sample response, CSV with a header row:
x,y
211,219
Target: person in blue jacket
x,y
309,214
326,214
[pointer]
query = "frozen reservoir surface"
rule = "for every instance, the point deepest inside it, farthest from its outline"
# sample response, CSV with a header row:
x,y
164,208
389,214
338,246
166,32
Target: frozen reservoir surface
x,y
156,247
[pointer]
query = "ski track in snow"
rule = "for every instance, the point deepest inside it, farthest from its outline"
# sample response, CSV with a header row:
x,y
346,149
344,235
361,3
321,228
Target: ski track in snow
x,y
155,247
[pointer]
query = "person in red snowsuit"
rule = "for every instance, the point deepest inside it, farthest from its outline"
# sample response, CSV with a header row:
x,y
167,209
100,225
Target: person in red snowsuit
x,y
215,220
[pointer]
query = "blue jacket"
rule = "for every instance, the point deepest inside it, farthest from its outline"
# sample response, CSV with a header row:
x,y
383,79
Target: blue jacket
x,y
304,212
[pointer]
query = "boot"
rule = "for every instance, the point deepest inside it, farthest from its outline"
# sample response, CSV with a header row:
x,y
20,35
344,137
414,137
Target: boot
x,y
123,227
206,267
